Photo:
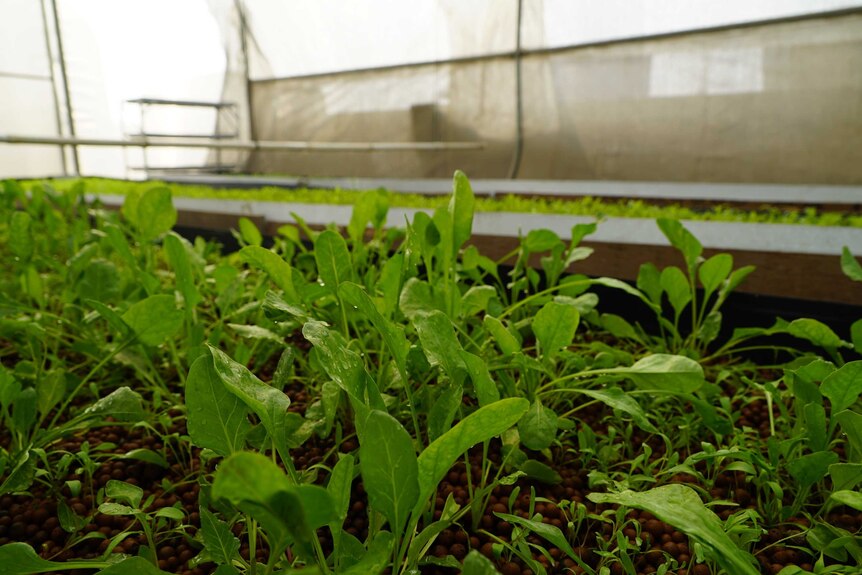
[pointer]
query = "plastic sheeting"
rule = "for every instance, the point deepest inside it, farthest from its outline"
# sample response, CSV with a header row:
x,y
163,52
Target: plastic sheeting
x,y
776,102
27,99
773,103
323,36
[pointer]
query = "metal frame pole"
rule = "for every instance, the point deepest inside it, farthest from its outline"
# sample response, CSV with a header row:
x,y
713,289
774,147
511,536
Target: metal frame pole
x,y
62,57
519,101
243,42
56,98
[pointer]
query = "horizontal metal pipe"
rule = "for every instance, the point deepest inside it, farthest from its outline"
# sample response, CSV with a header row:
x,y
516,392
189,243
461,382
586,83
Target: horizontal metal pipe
x,y
272,146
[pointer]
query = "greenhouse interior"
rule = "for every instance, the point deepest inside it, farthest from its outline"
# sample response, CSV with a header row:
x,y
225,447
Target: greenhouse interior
x,y
365,287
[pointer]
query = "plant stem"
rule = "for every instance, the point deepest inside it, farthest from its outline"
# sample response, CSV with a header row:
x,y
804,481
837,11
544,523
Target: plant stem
x,y
84,381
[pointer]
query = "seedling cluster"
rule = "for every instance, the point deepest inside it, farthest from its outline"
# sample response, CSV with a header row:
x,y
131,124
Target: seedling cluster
x,y
386,399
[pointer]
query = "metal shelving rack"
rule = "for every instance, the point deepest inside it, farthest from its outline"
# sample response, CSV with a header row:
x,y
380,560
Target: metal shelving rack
x,y
226,128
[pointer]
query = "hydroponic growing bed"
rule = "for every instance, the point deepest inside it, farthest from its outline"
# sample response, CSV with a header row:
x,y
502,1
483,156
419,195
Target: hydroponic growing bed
x,y
397,402
778,238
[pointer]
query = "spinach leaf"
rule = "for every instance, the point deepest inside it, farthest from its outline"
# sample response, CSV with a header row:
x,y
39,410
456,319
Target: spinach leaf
x,y
389,467
681,507
217,419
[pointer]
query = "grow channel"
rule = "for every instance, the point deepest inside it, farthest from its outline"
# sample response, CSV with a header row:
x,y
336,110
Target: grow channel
x,y
396,402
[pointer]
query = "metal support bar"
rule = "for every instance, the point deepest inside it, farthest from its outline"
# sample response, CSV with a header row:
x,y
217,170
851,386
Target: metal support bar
x,y
58,117
273,146
519,100
64,77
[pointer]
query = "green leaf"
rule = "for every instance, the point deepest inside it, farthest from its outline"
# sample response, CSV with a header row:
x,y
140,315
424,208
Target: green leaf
x,y
334,265
117,239
342,364
269,404
554,326
417,298
481,425
504,339
443,411
714,271
179,259
850,265
806,379
439,342
376,559
128,566
69,521
33,285
217,419
733,282
618,326
389,283
681,507
816,332
393,335
477,564
710,327
390,470
147,456
621,285
154,319
851,425
100,281
116,509
673,373
578,254
255,332
255,485
155,213
110,316
845,475
538,427
681,239
171,513
371,206
274,266
219,541
710,417
811,468
540,240
540,472
580,231
24,410
476,299
484,387
843,386
675,285
19,238
649,282
461,207
122,491
856,335
584,303
339,487
249,232
421,543
122,404
547,532
617,399
849,498
21,476
815,423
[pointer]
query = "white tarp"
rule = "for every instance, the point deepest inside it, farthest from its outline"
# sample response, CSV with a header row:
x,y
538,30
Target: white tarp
x,y
192,50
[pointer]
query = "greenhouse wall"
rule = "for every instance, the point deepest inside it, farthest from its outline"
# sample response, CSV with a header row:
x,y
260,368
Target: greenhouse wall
x,y
784,97
28,103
